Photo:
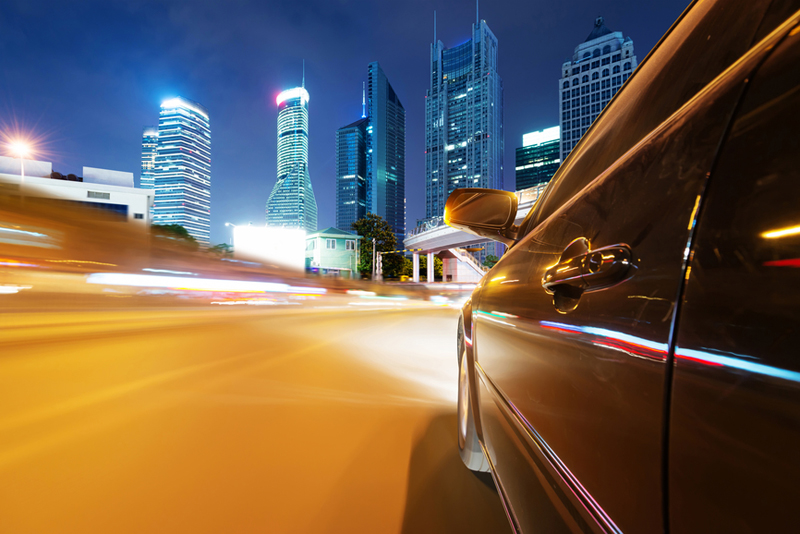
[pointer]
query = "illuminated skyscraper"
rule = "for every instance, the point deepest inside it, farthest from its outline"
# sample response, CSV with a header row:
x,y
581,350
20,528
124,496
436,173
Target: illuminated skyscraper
x,y
291,203
538,158
463,121
183,168
386,151
351,174
149,147
598,68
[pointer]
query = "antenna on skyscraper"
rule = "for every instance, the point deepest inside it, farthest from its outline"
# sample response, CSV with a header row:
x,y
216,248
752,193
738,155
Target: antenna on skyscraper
x,y
363,100
477,12
434,27
304,74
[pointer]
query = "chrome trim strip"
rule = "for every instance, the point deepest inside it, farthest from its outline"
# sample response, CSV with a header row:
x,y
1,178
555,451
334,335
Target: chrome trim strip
x,y
592,507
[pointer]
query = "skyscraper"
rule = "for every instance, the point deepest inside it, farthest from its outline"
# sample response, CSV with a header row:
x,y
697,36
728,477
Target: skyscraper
x,y
463,121
538,158
149,147
351,173
598,68
386,151
291,203
182,168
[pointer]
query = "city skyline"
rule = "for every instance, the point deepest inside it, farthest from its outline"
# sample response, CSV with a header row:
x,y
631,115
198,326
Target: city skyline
x,y
191,52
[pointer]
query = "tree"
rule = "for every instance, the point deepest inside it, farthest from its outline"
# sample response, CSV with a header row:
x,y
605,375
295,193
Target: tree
x,y
175,232
490,261
223,249
438,267
374,226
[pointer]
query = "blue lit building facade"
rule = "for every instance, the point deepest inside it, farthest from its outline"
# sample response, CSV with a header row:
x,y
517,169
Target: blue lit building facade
x,y
463,122
149,148
598,68
182,169
386,151
351,173
291,203
538,158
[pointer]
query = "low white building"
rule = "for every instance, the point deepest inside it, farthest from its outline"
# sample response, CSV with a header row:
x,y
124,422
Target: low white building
x,y
102,189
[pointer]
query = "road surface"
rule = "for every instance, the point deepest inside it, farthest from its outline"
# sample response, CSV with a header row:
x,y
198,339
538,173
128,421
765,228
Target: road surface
x,y
235,420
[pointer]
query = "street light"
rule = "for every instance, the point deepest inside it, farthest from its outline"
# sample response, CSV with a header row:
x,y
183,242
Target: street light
x,y
21,150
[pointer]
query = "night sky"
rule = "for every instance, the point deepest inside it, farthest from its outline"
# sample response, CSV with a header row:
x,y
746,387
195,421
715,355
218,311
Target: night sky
x,y
84,77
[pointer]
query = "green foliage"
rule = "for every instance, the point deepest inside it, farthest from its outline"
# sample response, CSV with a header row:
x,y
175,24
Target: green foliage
x,y
176,232
223,249
438,267
374,226
490,261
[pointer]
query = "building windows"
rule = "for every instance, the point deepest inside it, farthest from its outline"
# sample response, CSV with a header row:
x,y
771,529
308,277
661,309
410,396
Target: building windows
x,y
585,78
596,52
566,85
595,75
605,72
615,58
585,67
138,215
575,82
616,69
98,194
350,244
330,244
607,49
627,66
595,64
575,71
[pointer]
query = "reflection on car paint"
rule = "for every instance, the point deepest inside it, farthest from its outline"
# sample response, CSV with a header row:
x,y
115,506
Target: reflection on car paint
x,y
633,345
735,361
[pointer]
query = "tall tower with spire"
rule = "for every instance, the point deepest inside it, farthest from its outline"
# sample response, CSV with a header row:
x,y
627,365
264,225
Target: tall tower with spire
x,y
463,121
291,203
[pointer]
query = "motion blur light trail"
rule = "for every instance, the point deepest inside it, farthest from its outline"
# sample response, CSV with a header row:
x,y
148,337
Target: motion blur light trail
x,y
236,420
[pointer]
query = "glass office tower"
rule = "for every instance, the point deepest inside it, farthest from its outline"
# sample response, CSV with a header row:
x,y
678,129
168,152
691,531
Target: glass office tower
x,y
598,68
463,122
183,168
386,151
538,158
291,203
149,147
351,174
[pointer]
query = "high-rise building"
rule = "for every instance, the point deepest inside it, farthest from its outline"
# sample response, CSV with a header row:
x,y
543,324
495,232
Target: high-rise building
x,y
386,151
182,170
598,68
291,203
538,158
463,121
149,146
351,173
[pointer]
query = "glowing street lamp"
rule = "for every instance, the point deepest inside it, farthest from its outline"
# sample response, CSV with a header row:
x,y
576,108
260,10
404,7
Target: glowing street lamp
x,y
21,150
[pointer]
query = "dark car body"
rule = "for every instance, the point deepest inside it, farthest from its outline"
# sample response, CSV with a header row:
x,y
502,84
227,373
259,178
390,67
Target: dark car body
x,y
632,364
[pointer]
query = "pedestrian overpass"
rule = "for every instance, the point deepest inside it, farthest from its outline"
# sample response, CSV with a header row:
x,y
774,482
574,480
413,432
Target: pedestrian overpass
x,y
438,238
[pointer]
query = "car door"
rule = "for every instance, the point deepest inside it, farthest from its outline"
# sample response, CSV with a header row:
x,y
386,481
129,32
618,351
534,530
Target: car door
x,y
735,412
573,379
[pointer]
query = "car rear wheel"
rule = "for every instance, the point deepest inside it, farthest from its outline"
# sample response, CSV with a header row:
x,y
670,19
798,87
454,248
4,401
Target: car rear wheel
x,y
468,445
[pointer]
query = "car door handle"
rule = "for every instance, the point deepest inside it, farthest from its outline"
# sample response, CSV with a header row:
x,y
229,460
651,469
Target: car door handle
x,y
588,270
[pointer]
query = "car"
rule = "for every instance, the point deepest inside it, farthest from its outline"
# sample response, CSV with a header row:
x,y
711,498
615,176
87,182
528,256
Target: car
x,y
631,364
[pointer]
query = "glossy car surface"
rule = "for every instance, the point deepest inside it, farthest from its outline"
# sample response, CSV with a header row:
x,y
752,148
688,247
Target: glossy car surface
x,y
632,363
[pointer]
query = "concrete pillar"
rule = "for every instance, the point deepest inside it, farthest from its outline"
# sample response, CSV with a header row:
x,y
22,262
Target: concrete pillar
x,y
415,278
430,267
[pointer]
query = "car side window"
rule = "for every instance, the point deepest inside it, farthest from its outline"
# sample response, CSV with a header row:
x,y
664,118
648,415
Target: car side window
x,y
712,36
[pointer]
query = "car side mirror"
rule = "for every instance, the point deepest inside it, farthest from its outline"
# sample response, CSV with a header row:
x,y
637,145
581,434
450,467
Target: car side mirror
x,y
483,212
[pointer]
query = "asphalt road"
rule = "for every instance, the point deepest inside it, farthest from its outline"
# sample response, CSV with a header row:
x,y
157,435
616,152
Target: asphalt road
x,y
231,420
